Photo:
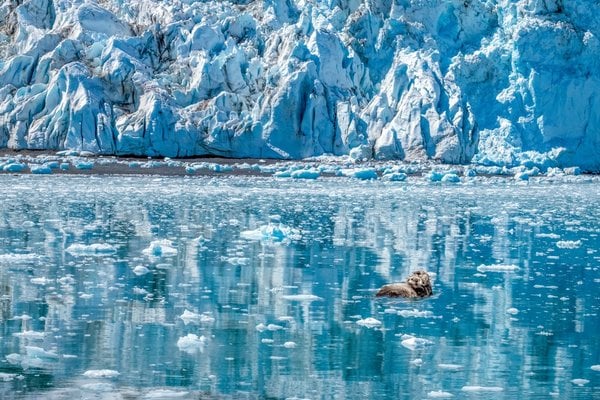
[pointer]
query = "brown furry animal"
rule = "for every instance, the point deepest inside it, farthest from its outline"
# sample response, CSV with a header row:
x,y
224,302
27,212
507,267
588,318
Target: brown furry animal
x,y
418,284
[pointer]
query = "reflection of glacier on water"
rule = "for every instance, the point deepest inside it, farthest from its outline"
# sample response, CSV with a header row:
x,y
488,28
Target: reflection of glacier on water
x,y
184,304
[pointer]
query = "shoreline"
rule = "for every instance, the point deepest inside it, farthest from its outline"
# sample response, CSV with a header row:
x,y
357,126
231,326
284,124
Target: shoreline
x,y
44,162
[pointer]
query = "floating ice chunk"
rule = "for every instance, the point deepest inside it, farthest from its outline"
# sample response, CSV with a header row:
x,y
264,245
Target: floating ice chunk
x,y
40,169
191,343
417,362
160,248
434,176
305,174
497,268
369,322
32,335
482,389
548,235
273,327
84,165
267,341
289,345
261,327
361,173
140,270
394,177
163,394
439,394
38,352
451,367
14,167
98,387
91,249
512,311
272,232
415,313
18,258
301,297
414,343
595,367
6,377
568,244
450,178
42,281
189,317
101,373
580,382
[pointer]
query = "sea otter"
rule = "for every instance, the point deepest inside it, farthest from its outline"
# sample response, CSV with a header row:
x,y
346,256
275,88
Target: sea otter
x,y
418,284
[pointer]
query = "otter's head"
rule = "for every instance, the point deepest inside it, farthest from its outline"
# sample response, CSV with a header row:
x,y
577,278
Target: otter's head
x,y
420,282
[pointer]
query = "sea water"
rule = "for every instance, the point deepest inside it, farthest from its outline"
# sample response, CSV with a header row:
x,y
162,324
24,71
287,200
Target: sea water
x,y
247,287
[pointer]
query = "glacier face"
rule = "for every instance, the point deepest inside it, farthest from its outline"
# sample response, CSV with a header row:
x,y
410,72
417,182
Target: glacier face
x,y
497,82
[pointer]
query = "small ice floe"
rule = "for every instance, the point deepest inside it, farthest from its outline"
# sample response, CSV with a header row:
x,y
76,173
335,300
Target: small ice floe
x,y
189,317
101,373
414,343
38,352
301,297
91,249
272,232
414,313
568,244
40,169
290,345
6,377
580,382
439,394
83,165
369,322
450,178
497,268
18,258
417,362
595,367
512,311
160,248
305,174
271,327
267,341
451,367
41,281
31,335
394,177
140,270
361,173
548,235
14,167
162,394
191,343
482,389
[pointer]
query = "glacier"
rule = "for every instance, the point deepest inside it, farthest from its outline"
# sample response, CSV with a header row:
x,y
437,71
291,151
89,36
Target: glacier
x,y
492,82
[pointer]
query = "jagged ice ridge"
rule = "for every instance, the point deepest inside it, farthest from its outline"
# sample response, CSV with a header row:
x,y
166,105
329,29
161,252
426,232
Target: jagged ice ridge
x,y
496,82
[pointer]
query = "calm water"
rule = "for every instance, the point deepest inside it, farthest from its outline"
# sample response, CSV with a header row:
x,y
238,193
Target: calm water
x,y
88,282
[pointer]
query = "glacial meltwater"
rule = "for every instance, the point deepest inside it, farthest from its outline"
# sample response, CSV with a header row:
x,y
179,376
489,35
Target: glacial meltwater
x,y
249,287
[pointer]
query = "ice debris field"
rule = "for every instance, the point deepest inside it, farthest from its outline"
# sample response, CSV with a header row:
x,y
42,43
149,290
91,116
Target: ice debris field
x,y
153,287
323,167
495,82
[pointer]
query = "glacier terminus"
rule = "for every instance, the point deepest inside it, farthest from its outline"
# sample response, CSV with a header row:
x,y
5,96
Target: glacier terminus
x,y
494,82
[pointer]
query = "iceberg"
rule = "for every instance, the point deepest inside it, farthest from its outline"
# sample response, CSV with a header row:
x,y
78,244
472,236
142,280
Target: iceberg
x,y
497,83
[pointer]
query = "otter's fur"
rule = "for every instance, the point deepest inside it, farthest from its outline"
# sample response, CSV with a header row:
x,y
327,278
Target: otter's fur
x,y
418,284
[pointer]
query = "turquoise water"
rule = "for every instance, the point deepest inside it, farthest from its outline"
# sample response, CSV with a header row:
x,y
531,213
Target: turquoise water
x,y
276,280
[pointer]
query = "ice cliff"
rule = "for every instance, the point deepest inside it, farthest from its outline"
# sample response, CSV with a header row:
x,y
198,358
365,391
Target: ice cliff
x,y
498,82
